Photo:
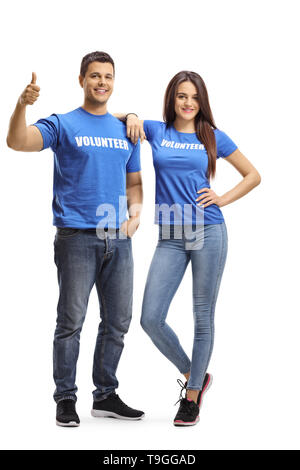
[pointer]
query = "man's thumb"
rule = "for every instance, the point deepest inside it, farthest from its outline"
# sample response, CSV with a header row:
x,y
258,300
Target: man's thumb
x,y
33,80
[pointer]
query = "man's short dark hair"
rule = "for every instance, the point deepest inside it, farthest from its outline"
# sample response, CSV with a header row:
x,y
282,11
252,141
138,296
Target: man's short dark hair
x,y
95,57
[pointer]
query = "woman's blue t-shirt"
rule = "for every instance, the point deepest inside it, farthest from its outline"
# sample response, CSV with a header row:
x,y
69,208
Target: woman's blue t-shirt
x,y
180,162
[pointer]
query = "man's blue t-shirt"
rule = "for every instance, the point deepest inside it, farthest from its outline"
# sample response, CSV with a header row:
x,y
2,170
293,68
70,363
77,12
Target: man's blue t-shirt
x,y
180,162
91,158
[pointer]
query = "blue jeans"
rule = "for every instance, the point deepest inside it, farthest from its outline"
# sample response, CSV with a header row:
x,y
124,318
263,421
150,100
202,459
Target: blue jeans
x,y
82,260
168,266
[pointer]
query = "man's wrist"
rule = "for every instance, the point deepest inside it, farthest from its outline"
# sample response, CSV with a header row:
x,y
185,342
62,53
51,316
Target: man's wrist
x,y
20,103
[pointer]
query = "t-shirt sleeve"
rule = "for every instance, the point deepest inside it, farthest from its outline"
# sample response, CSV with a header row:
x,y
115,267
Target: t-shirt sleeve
x,y
151,128
49,128
225,146
134,163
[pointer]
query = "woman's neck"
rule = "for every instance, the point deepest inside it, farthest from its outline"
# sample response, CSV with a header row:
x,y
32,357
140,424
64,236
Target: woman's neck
x,y
181,125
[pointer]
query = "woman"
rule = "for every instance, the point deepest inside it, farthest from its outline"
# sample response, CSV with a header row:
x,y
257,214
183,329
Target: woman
x,y
191,226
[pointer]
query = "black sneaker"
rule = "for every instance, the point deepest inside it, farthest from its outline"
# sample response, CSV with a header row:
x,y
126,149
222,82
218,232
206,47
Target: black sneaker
x,y
188,413
66,413
113,407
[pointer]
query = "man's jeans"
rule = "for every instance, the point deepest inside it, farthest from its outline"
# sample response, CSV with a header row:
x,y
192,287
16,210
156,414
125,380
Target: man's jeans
x,y
82,260
170,260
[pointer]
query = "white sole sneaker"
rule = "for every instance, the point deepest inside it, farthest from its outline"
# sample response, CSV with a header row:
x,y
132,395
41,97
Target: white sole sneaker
x,y
111,414
185,423
71,424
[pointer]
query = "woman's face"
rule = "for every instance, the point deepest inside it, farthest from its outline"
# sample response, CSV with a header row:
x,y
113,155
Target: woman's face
x,y
186,101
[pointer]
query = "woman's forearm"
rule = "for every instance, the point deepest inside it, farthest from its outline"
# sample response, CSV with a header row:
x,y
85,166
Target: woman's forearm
x,y
120,116
123,117
241,189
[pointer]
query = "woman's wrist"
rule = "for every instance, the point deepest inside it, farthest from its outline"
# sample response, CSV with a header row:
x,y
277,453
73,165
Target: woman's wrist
x,y
130,114
223,201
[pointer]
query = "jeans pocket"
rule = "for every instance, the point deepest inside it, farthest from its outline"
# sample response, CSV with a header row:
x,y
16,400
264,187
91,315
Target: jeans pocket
x,y
124,234
66,232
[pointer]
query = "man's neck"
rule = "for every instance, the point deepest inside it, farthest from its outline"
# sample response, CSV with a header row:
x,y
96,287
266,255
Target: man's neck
x,y
97,109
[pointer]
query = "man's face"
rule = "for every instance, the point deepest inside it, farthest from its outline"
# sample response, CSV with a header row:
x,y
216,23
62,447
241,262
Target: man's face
x,y
98,82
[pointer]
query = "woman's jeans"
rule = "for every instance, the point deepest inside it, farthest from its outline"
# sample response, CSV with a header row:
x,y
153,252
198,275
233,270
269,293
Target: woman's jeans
x,y
82,260
207,255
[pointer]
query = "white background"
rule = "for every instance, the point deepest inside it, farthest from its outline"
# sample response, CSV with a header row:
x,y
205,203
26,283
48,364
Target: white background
x,y
247,54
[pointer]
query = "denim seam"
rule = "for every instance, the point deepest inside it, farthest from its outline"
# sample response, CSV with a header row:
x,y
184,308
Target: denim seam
x,y
102,347
212,310
213,305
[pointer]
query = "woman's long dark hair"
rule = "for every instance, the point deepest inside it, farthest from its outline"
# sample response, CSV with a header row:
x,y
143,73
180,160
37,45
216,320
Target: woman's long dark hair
x,y
204,121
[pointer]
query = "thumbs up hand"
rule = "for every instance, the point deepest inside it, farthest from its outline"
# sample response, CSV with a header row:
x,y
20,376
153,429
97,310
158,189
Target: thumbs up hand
x,y
33,80
31,92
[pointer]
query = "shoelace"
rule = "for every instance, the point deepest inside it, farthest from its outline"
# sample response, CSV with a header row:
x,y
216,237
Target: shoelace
x,y
185,406
182,385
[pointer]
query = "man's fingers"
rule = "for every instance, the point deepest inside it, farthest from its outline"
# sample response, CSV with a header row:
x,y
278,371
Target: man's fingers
x,y
34,93
34,87
30,94
33,80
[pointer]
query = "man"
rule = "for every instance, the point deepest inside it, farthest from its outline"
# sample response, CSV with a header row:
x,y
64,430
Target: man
x,y
95,167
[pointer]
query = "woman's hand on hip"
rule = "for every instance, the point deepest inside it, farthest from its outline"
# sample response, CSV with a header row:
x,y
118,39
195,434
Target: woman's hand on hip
x,y
208,197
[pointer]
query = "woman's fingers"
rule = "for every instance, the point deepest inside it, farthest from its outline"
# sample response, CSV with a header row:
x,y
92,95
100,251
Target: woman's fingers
x,y
142,134
208,199
203,189
205,192
135,129
131,132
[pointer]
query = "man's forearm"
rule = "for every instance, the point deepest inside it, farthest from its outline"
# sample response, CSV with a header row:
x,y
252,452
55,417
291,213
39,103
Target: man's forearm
x,y
17,127
135,200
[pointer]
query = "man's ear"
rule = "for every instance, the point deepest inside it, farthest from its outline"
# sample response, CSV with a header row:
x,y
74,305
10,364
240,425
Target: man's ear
x,y
81,78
